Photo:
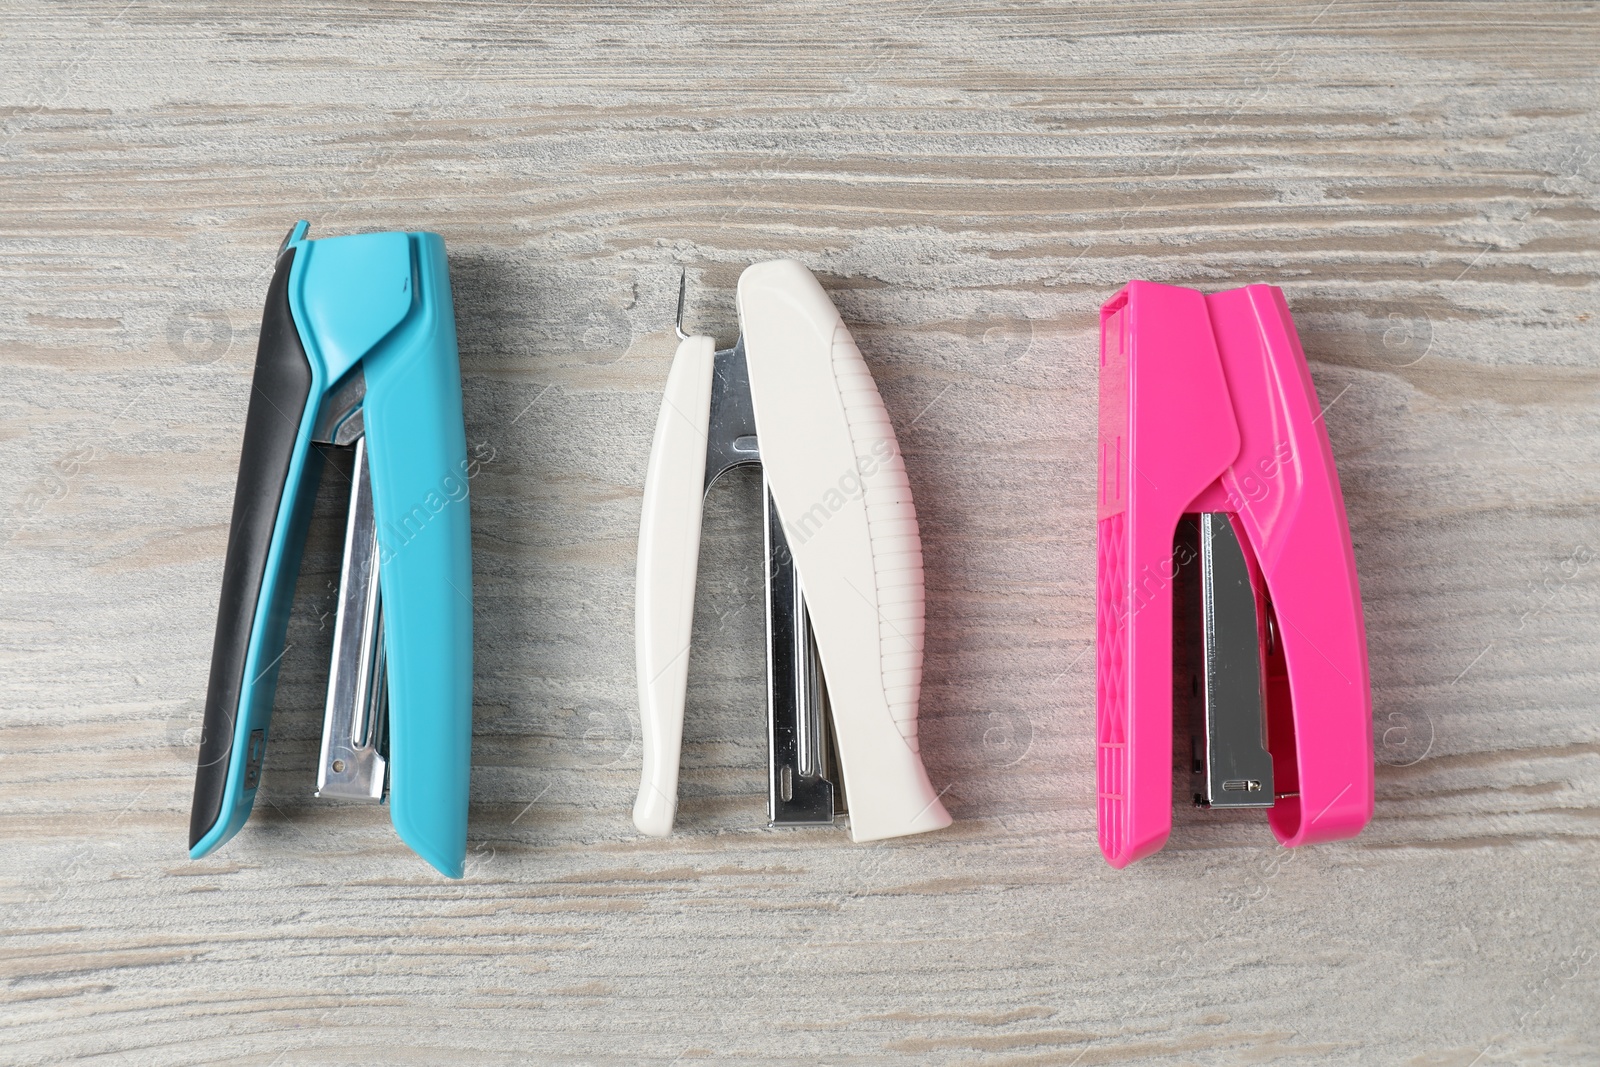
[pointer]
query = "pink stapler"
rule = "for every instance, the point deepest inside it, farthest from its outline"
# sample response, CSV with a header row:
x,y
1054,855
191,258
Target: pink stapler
x,y
1227,584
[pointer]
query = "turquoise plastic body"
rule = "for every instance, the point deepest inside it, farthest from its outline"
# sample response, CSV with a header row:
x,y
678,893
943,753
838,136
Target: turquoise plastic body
x,y
383,301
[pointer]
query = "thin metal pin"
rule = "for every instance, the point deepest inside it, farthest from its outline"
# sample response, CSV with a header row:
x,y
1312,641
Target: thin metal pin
x,y
683,289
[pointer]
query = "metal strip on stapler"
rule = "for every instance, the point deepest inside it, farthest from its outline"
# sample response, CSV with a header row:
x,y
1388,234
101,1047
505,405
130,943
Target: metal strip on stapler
x,y
352,764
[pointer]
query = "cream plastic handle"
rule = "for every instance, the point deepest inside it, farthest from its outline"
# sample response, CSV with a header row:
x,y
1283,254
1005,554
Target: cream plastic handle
x,y
669,556
834,469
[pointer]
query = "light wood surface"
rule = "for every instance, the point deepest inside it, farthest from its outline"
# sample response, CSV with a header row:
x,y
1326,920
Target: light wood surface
x,y
970,183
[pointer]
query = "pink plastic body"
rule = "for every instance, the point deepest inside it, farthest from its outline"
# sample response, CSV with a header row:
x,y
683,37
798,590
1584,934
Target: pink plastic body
x,y
1206,404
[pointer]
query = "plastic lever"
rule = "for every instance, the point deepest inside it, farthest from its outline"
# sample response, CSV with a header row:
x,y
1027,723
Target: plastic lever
x,y
834,470
668,564
271,510
1285,490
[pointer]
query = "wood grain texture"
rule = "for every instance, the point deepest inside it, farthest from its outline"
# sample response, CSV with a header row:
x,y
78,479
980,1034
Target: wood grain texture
x,y
970,182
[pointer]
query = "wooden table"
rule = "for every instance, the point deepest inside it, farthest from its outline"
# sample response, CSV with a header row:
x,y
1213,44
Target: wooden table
x,y
970,183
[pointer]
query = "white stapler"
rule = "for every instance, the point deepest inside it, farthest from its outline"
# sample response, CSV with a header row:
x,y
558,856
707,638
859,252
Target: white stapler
x,y
844,564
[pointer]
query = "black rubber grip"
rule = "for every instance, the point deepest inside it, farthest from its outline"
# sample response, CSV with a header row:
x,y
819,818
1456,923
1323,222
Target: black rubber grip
x,y
278,396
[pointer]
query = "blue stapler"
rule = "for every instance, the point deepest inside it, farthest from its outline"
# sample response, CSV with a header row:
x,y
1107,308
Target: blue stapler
x,y
357,352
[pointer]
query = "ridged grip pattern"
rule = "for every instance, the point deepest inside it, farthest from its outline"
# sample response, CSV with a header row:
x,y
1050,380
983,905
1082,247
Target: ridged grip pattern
x,y
839,484
892,525
1111,678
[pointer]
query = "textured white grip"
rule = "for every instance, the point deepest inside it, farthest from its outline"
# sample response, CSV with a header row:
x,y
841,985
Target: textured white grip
x,y
669,556
835,472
